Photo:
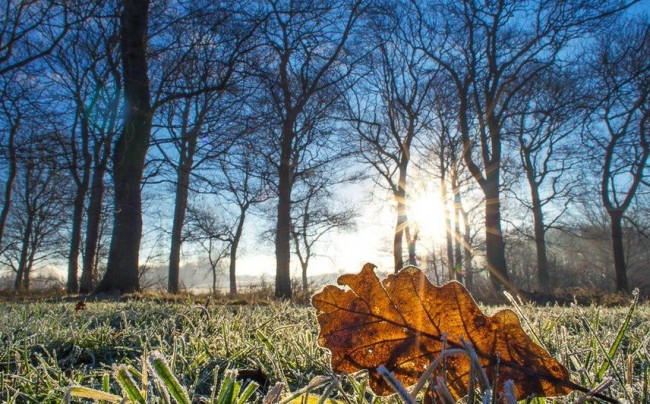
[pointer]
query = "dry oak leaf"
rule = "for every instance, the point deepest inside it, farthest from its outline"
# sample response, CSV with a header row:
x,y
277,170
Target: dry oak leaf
x,y
403,322
79,306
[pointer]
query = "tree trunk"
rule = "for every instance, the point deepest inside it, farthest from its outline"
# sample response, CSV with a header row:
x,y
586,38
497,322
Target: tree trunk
x,y
467,251
616,217
130,152
305,282
213,267
27,275
93,223
303,260
75,238
458,238
20,282
233,253
400,226
543,276
180,208
490,185
448,236
283,228
185,162
494,243
78,211
214,280
413,245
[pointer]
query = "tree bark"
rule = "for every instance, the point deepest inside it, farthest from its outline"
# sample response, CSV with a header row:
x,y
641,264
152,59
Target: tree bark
x,y
78,210
402,223
188,144
21,282
130,151
27,276
233,252
298,234
543,276
283,228
616,217
494,243
214,280
180,208
467,251
305,281
75,238
400,226
448,236
490,185
213,267
458,238
93,220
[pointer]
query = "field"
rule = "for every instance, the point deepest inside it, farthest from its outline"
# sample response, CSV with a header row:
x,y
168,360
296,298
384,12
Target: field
x,y
48,347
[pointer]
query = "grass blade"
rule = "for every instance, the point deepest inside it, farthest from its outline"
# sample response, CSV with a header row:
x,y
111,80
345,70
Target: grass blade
x,y
247,393
86,392
106,383
160,369
145,378
619,338
125,381
228,390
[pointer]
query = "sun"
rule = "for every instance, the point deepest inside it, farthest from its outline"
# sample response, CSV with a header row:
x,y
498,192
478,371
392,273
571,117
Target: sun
x,y
428,214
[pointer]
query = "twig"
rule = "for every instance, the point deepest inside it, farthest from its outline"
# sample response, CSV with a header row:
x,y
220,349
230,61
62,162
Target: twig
x,y
596,390
395,385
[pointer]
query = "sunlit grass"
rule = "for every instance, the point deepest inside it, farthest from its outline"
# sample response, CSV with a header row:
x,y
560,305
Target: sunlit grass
x,y
47,347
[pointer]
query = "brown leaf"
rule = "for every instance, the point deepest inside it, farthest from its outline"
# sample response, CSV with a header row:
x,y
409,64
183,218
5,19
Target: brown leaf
x,y
401,323
80,306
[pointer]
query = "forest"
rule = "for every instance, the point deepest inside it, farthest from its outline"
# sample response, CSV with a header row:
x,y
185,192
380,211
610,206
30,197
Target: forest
x,y
140,134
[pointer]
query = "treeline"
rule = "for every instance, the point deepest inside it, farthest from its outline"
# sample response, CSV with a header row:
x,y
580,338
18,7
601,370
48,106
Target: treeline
x,y
531,118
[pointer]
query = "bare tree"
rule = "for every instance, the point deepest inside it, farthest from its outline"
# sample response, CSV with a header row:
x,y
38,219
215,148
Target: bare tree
x,y
620,127
104,130
189,120
305,56
98,220
444,160
41,203
388,109
31,30
201,127
85,73
13,107
315,215
490,55
208,230
132,145
243,188
129,151
196,93
462,246
544,118
444,146
79,165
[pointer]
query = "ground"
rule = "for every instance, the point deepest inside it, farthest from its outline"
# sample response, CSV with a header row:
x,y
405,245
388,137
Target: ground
x,y
48,346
